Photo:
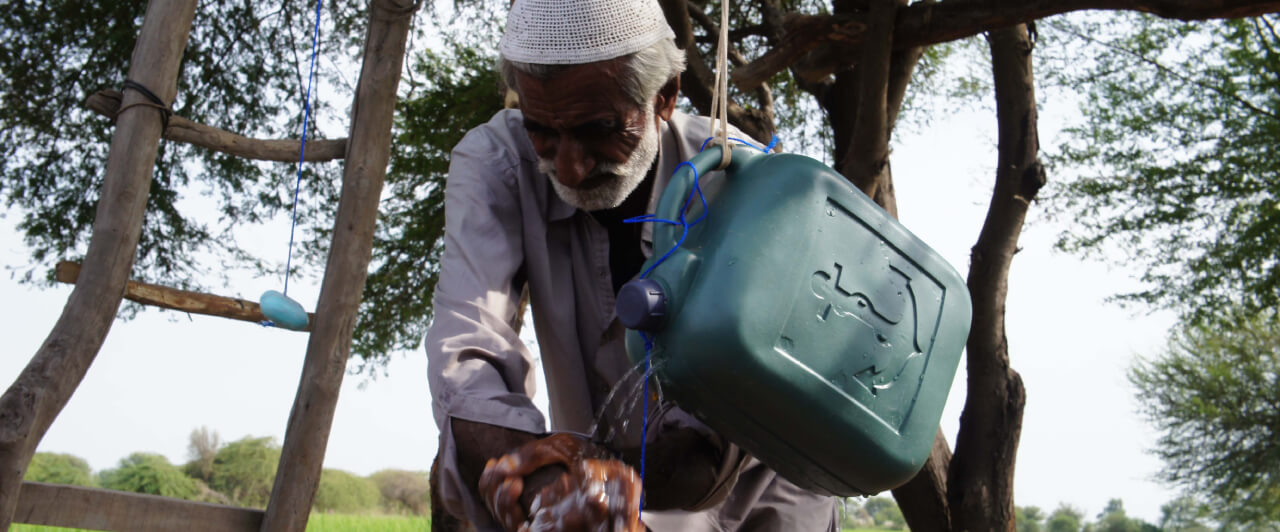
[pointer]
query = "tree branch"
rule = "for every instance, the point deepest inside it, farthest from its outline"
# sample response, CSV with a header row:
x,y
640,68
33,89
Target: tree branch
x,y
924,24
107,103
737,34
803,34
980,485
677,13
868,153
1246,104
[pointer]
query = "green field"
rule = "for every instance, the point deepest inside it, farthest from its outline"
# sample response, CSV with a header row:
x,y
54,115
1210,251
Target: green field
x,y
366,523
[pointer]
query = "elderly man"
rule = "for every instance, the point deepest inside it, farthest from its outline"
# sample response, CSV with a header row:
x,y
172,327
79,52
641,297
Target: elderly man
x,y
538,197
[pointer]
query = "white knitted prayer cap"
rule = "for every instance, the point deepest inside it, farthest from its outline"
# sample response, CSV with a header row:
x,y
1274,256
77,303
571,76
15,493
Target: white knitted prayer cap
x,y
573,32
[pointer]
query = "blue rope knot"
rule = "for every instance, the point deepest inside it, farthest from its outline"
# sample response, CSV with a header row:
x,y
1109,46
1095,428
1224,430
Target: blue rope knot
x,y
682,222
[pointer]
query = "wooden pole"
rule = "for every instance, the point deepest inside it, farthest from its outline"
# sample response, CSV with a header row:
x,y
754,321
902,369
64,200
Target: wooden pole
x,y
99,509
39,393
107,103
368,151
180,300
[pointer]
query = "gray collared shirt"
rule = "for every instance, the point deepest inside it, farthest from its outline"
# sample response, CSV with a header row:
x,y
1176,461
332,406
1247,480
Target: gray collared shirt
x,y
504,227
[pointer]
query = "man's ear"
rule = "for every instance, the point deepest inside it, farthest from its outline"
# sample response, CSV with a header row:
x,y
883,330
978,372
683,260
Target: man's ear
x,y
665,102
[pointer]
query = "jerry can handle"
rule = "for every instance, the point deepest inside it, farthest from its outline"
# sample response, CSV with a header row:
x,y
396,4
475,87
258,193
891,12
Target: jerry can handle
x,y
676,198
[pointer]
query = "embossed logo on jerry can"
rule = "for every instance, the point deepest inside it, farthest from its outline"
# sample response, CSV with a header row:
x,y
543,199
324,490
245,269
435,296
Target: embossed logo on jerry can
x,y
802,322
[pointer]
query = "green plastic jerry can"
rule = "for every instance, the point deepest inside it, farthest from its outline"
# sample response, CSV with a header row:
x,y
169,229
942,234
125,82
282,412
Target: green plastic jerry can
x,y
802,322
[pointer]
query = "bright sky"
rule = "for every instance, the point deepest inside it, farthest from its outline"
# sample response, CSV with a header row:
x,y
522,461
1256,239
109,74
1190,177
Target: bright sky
x,y
163,374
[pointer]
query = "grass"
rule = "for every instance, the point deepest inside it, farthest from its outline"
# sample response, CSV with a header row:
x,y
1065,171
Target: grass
x,y
317,523
366,523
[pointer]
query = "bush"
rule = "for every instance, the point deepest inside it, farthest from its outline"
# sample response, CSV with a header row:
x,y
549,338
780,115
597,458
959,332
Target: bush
x,y
886,513
152,474
853,515
403,492
343,492
59,469
245,470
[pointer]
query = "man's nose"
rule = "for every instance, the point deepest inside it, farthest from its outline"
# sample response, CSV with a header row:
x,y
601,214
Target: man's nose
x,y
572,163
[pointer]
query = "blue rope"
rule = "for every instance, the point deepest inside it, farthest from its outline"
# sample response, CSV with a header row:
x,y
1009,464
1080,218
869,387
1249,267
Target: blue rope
x,y
644,426
684,224
302,152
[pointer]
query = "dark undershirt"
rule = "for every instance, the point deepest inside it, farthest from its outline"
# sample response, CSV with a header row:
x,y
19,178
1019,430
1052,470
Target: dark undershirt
x,y
625,253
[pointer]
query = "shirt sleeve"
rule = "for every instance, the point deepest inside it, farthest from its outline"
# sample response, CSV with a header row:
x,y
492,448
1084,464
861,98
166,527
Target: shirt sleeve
x,y
478,368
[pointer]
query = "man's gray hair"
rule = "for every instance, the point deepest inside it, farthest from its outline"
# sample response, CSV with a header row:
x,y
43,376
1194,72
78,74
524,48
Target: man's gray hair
x,y
643,72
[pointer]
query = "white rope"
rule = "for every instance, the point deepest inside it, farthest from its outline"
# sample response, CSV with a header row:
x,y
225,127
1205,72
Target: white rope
x,y
720,93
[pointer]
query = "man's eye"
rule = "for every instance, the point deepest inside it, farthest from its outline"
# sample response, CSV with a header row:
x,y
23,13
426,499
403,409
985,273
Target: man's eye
x,y
536,128
599,127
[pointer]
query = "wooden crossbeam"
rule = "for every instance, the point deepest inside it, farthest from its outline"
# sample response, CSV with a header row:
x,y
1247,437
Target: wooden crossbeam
x,y
99,509
107,103
175,299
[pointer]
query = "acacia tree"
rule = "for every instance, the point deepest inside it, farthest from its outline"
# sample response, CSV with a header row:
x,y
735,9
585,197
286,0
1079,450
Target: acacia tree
x,y
1213,396
1177,169
1175,158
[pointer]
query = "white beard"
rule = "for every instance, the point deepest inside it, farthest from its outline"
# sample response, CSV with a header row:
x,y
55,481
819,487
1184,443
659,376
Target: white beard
x,y
609,184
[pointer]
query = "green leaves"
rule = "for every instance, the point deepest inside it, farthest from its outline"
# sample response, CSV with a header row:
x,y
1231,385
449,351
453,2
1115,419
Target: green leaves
x,y
342,492
241,72
1174,167
460,92
1214,394
245,470
59,469
150,473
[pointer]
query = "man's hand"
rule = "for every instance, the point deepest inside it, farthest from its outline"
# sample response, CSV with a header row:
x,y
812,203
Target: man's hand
x,y
585,490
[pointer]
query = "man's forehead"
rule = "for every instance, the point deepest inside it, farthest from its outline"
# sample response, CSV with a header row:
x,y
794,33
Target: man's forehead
x,y
592,89
611,68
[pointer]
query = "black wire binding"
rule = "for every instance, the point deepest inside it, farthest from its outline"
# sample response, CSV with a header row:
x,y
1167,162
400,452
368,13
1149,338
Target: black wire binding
x,y
165,111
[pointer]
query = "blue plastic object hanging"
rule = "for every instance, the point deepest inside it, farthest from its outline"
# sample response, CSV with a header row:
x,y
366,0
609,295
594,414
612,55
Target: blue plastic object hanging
x,y
282,311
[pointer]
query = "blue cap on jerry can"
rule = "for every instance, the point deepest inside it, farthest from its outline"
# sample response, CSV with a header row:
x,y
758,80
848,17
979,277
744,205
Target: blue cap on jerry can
x,y
642,305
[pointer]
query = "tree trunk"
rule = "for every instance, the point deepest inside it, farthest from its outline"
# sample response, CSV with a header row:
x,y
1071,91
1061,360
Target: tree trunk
x,y
868,156
368,151
980,487
923,499
43,388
